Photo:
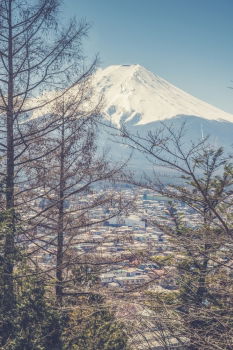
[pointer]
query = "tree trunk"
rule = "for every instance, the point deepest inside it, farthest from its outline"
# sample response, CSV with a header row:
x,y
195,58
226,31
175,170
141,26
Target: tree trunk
x,y
60,233
10,234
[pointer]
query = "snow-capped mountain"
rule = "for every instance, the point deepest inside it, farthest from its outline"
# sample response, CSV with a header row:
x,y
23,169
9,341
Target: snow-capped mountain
x,y
133,94
140,100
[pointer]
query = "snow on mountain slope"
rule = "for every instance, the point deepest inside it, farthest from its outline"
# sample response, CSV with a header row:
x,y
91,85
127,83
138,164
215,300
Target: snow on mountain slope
x,y
140,99
133,94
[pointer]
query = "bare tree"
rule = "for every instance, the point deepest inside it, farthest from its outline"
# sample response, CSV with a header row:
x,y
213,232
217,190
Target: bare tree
x,y
36,55
65,181
198,227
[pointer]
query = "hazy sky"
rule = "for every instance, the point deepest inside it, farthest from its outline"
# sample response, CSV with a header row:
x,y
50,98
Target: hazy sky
x,y
187,42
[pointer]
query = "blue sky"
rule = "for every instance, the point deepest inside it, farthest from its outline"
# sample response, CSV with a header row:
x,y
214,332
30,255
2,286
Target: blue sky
x,y
187,42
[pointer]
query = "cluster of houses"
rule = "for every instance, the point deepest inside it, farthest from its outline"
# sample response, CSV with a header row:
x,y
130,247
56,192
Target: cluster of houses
x,y
127,247
129,242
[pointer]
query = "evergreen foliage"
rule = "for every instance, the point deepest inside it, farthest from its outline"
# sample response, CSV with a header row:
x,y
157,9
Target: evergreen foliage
x,y
93,327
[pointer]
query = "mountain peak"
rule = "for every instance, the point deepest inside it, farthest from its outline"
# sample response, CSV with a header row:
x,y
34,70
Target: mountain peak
x,y
134,94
